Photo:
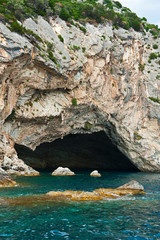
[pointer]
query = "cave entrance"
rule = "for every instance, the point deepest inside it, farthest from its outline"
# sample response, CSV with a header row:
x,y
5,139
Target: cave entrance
x,y
78,152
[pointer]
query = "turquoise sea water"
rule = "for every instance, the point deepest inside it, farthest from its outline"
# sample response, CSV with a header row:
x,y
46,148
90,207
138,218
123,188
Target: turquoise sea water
x,y
25,214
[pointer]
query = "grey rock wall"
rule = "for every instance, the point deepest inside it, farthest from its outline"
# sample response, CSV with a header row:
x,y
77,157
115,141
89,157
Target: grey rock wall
x,y
101,69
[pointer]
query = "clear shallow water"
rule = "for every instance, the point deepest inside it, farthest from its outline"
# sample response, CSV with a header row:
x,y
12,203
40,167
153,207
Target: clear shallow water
x,y
127,218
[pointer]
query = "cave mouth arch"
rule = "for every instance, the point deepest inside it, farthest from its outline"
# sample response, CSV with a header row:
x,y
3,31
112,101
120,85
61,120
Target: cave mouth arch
x,y
78,152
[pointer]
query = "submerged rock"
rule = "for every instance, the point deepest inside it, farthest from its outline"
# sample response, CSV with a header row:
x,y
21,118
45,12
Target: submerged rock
x,y
5,180
97,194
60,171
132,185
75,195
95,173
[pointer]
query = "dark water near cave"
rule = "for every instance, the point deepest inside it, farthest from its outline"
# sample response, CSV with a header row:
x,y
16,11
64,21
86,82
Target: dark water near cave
x,y
127,218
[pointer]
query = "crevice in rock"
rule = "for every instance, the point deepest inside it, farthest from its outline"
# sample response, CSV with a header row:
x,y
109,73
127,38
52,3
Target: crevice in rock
x,y
78,152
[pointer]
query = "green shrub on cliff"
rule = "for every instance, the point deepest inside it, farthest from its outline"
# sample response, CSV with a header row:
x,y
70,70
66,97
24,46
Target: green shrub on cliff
x,y
16,27
60,38
88,126
152,28
64,14
74,101
84,11
141,67
118,4
155,46
34,35
157,100
76,47
153,56
50,55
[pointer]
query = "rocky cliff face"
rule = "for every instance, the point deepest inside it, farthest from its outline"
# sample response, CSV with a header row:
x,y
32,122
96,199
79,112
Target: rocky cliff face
x,y
71,82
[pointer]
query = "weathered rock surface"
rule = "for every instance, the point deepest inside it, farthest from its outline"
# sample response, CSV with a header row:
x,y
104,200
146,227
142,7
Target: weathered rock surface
x,y
103,74
95,173
132,185
74,195
18,167
97,194
9,160
60,171
5,180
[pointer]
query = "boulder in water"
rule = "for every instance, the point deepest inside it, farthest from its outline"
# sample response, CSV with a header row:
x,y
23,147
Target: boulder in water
x,y
95,173
132,185
60,171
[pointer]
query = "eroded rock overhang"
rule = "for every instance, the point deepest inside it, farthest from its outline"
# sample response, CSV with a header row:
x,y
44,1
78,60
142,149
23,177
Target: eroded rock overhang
x,y
95,87
77,152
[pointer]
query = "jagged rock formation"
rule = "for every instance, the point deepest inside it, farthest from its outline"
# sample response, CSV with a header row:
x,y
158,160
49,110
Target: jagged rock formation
x,y
100,80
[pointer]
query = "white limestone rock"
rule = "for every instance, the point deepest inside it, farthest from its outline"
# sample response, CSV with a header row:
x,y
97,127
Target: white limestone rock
x,y
60,171
95,173
100,68
132,185
5,180
18,167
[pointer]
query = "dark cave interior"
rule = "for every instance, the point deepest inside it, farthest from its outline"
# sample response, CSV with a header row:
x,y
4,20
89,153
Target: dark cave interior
x,y
78,152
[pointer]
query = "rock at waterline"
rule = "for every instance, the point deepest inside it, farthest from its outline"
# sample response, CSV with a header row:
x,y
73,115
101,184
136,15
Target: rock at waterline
x,y
132,185
5,180
74,195
95,173
60,171
18,167
97,194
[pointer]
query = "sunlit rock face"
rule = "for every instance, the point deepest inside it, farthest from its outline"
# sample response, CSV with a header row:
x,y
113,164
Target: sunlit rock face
x,y
95,82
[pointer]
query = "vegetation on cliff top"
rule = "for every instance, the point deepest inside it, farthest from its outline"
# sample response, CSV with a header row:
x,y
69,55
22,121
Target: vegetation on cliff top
x,y
83,11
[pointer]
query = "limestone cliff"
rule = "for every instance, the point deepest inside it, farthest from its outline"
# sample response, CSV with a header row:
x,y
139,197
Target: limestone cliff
x,y
70,82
